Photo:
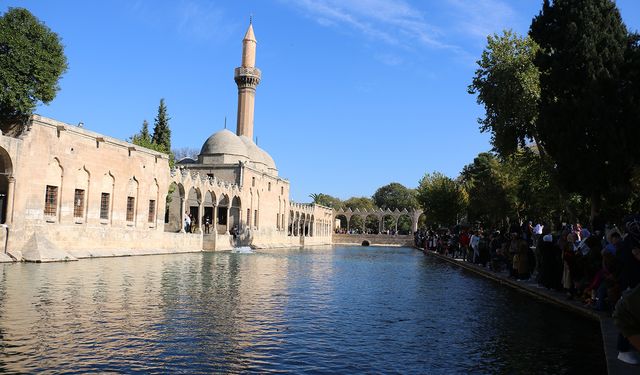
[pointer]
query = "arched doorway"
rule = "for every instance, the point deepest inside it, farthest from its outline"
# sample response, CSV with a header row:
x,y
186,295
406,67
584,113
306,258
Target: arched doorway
x,y
7,183
174,215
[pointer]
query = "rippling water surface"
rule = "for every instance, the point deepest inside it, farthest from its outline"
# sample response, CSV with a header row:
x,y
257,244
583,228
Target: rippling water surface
x,y
333,310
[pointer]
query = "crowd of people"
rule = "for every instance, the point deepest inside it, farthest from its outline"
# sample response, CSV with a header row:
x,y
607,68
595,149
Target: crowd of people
x,y
597,267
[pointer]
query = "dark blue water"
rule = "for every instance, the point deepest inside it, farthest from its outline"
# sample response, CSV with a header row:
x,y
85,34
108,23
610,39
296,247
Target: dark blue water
x,y
334,310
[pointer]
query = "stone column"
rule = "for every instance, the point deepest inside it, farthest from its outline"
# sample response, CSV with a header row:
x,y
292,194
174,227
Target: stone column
x,y
214,220
228,219
200,217
181,216
10,191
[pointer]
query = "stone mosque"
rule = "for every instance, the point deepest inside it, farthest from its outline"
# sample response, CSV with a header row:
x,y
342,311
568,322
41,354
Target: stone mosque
x,y
68,193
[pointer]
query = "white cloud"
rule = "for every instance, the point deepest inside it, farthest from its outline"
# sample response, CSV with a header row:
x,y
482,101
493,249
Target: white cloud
x,y
203,21
190,18
480,18
394,22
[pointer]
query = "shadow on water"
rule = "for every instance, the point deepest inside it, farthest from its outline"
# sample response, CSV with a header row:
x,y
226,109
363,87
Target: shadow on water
x,y
333,309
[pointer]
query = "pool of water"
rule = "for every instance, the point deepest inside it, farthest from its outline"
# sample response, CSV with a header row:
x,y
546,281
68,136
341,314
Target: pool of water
x,y
324,310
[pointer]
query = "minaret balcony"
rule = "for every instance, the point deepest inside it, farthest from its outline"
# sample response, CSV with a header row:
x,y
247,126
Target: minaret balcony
x,y
244,73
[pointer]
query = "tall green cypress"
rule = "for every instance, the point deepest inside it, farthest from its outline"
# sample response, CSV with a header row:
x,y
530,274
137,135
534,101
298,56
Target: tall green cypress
x,y
581,119
161,131
144,133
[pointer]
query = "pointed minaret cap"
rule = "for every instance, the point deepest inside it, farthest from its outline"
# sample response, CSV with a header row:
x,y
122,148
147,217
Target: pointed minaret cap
x,y
249,35
249,48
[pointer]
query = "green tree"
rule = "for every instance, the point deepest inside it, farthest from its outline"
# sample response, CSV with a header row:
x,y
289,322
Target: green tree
x,y
507,83
443,199
490,197
581,118
361,203
31,62
395,196
326,200
143,139
143,136
161,130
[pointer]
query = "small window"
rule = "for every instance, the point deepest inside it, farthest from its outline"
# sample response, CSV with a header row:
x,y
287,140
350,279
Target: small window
x,y
278,221
269,186
255,218
152,211
51,201
104,206
248,217
78,203
281,190
253,181
130,208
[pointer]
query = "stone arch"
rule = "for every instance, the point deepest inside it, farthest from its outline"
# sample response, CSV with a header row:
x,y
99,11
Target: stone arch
x,y
53,190
312,226
404,224
174,210
7,184
296,225
372,223
107,187
81,193
356,223
154,196
224,205
343,226
291,220
388,223
192,207
236,212
132,200
209,215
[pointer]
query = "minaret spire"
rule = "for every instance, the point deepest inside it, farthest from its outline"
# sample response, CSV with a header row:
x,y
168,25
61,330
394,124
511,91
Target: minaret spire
x,y
247,77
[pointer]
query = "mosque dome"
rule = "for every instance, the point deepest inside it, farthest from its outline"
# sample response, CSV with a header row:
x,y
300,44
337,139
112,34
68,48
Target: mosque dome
x,y
255,153
268,159
224,142
258,155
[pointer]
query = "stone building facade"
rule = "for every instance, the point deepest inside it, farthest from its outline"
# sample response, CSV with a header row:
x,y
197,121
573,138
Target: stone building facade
x,y
68,193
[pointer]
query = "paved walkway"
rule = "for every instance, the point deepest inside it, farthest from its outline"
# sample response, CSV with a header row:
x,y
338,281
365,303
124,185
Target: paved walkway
x,y
609,331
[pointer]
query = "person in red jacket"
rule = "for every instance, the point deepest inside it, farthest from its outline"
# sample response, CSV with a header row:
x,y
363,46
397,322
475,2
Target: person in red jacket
x,y
465,239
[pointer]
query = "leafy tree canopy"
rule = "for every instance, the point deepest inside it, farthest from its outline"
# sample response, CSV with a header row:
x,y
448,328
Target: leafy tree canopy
x,y
361,203
395,196
443,199
326,200
31,62
490,197
508,85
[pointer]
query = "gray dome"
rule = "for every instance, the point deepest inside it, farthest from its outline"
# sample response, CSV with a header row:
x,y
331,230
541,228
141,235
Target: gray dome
x,y
224,142
268,160
255,154
258,155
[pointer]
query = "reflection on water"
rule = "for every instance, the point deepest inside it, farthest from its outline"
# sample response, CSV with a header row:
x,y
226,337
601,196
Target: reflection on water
x,y
333,310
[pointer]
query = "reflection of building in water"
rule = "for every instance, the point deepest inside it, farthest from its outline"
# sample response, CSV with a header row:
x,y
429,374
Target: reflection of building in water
x,y
68,192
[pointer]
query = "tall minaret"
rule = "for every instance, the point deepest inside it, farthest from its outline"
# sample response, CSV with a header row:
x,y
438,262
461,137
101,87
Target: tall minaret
x,y
247,77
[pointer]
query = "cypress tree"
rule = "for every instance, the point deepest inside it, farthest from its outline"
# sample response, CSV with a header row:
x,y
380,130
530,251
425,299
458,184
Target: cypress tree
x,y
144,133
581,120
161,132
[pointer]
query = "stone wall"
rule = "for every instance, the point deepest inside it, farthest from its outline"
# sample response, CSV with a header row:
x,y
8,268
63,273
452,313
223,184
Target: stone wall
x,y
374,239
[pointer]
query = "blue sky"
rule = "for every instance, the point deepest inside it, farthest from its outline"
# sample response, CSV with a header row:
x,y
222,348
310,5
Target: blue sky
x,y
355,93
